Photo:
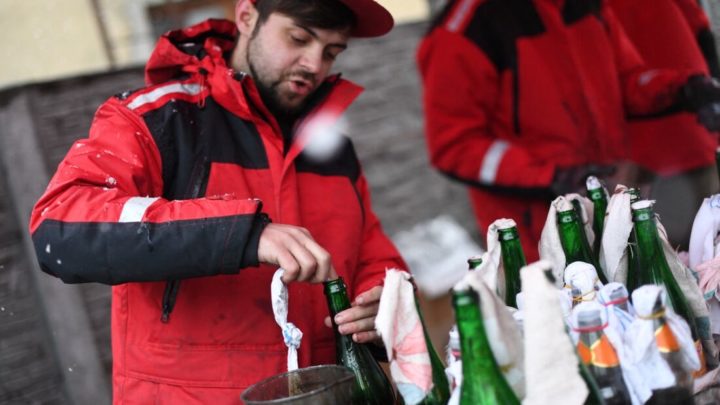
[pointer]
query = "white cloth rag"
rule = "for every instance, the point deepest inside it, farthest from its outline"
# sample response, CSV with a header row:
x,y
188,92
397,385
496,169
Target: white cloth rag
x,y
618,318
640,339
618,226
401,330
502,332
550,247
689,285
583,277
292,336
703,239
704,255
551,366
491,269
454,368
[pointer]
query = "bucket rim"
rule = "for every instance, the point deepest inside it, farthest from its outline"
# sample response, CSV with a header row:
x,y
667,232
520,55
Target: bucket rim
x,y
349,375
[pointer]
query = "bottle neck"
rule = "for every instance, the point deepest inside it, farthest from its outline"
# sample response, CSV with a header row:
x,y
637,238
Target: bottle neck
x,y
337,301
513,259
478,359
597,195
654,268
572,238
599,200
650,255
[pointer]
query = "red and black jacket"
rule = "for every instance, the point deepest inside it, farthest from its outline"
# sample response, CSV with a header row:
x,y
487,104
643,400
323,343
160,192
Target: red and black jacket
x,y
176,182
514,89
670,34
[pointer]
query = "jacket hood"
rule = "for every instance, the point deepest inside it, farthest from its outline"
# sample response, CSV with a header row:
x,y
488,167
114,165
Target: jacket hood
x,y
207,44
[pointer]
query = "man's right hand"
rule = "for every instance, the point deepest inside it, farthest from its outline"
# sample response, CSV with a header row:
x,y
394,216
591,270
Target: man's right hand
x,y
295,250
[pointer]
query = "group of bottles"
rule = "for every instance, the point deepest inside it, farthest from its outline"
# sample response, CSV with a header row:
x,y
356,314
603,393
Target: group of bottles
x,y
600,365
483,380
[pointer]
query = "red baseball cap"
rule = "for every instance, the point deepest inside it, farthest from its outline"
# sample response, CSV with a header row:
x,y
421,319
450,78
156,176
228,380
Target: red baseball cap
x,y
371,18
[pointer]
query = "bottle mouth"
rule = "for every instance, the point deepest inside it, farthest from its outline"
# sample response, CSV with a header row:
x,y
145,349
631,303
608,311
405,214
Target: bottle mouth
x,y
642,204
505,223
334,286
592,183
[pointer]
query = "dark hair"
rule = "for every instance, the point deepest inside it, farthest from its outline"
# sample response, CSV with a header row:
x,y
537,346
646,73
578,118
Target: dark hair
x,y
324,14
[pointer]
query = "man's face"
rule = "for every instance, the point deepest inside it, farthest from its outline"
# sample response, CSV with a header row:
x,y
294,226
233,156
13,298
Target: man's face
x,y
289,61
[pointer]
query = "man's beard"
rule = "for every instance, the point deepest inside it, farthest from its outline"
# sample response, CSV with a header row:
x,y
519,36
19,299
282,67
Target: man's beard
x,y
270,92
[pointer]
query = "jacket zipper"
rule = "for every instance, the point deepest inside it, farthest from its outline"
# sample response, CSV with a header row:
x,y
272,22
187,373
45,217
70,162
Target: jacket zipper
x,y
173,286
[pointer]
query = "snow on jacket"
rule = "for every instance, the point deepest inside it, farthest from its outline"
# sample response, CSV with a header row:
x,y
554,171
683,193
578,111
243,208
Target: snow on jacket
x,y
516,88
667,35
176,182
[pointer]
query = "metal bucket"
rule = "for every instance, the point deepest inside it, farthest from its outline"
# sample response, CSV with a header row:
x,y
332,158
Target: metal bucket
x,y
317,385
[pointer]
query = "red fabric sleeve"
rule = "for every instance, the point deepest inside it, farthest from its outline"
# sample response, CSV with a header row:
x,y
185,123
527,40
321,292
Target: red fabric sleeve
x,y
645,91
102,217
461,87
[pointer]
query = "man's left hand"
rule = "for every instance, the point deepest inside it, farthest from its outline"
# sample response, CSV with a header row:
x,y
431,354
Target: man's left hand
x,y
359,319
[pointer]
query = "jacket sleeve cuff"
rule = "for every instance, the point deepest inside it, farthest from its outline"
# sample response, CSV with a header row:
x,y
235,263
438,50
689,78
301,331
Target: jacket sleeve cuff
x,y
247,254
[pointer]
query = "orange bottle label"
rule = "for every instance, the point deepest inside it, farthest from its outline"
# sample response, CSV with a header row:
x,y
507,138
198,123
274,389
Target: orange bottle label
x,y
603,354
665,339
599,354
584,352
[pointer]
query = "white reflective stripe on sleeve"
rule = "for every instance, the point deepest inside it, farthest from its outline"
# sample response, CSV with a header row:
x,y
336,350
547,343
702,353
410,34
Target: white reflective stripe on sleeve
x,y
646,77
156,94
491,162
134,208
459,15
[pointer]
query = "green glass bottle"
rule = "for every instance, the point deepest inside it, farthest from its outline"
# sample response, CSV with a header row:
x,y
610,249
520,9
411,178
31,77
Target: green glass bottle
x,y
474,262
654,268
372,386
483,382
513,259
440,393
574,241
598,195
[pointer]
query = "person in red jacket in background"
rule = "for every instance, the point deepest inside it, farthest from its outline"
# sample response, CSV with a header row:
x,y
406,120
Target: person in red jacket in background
x,y
524,98
204,177
677,153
